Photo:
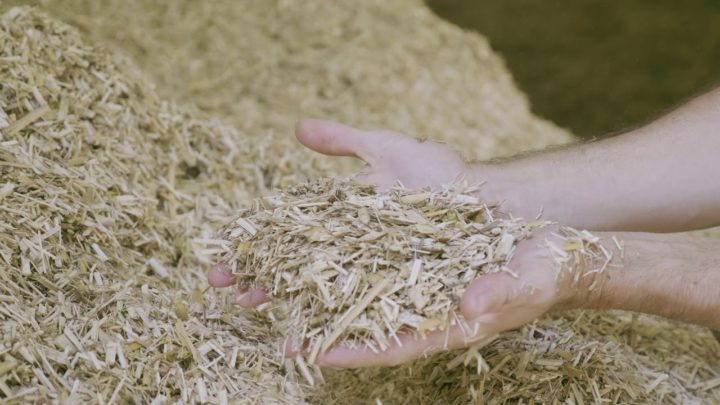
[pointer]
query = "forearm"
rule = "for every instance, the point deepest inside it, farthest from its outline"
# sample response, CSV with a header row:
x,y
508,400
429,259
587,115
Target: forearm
x,y
674,276
661,177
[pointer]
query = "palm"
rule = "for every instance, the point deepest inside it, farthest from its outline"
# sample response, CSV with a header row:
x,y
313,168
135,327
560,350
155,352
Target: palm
x,y
415,164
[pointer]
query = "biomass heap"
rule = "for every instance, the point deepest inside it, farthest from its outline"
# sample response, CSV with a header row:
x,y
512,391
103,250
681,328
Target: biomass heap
x,y
261,65
149,182
106,194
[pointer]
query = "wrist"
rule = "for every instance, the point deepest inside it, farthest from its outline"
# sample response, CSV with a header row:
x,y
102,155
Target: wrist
x,y
674,276
626,280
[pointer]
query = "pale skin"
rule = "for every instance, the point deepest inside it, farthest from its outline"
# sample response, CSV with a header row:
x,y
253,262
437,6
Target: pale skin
x,y
663,177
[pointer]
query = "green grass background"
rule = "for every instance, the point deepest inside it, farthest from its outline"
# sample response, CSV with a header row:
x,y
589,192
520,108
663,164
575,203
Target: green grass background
x,y
598,67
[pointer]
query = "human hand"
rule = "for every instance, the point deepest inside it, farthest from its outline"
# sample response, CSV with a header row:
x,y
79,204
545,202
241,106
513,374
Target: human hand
x,y
491,304
390,157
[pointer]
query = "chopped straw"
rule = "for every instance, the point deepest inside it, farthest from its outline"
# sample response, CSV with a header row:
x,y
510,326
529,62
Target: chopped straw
x,y
95,157
376,265
358,267
107,194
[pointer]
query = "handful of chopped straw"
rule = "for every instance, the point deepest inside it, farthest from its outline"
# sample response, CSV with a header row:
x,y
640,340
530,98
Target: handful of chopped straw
x,y
356,266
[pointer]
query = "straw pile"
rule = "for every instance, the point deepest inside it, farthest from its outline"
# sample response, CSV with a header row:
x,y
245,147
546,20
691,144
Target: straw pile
x,y
263,64
107,193
109,196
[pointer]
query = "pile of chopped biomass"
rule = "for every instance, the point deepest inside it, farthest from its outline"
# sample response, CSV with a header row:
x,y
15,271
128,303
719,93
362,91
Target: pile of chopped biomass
x,y
262,64
576,358
108,196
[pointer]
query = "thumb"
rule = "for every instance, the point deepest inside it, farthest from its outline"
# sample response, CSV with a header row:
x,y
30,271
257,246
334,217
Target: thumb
x,y
332,138
487,294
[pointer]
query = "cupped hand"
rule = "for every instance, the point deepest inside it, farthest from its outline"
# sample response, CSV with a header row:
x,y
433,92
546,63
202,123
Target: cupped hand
x,y
390,157
492,304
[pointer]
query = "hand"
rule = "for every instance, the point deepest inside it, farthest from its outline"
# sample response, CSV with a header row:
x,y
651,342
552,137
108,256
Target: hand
x,y
492,304
390,157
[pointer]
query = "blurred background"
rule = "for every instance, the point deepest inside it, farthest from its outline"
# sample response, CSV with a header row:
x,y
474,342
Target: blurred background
x,y
598,66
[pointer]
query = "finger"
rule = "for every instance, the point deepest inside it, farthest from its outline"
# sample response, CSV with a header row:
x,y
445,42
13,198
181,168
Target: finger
x,y
487,294
250,297
288,349
332,138
220,276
